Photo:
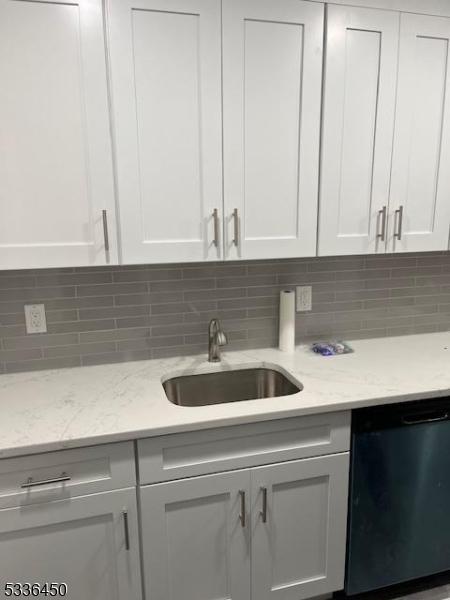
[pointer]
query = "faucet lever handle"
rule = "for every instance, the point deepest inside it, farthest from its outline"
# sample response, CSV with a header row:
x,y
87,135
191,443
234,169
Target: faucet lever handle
x,y
221,338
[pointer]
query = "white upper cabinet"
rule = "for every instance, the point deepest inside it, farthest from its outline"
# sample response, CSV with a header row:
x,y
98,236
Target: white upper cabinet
x,y
420,187
166,94
56,174
272,77
215,111
358,121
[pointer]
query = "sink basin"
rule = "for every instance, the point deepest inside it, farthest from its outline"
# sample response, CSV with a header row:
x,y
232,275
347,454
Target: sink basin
x,y
228,386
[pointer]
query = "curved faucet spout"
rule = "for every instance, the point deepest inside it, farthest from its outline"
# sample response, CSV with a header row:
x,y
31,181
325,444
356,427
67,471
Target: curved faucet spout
x,y
216,339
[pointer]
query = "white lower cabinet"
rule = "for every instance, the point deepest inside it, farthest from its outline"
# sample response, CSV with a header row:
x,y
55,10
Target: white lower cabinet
x,y
196,538
89,543
299,522
274,532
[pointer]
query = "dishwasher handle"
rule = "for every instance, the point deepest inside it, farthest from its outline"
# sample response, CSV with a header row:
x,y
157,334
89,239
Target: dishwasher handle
x,y
428,417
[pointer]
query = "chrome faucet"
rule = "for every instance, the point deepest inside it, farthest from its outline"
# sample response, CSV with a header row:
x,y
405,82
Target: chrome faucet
x,y
217,338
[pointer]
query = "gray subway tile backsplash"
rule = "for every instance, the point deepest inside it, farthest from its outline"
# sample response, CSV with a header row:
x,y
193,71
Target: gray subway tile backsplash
x,y
113,314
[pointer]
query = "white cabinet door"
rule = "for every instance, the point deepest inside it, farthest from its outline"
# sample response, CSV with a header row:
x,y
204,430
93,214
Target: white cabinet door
x,y
166,94
56,164
420,184
272,61
195,544
299,551
80,541
358,122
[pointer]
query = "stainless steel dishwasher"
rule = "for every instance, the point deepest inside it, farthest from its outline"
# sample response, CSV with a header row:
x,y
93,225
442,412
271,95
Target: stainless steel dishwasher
x,y
399,506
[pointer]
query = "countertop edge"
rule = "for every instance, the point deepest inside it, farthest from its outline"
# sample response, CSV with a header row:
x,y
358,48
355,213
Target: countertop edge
x,y
134,436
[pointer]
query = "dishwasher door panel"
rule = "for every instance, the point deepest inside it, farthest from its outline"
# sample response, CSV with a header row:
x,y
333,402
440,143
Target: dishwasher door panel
x,y
399,523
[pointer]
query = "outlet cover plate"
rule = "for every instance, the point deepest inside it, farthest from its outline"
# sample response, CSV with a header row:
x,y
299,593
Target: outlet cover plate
x,y
35,318
304,298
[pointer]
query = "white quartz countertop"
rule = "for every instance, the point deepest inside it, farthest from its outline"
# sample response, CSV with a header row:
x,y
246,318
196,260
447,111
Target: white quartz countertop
x,y
66,408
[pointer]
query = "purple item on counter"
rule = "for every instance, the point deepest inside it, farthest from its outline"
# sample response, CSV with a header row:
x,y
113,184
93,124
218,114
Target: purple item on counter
x,y
331,348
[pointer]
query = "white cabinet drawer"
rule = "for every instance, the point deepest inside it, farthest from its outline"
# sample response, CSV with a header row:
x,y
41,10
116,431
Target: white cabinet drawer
x,y
66,473
196,453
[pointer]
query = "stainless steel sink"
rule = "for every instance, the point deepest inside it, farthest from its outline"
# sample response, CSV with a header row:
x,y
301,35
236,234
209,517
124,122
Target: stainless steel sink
x,y
228,386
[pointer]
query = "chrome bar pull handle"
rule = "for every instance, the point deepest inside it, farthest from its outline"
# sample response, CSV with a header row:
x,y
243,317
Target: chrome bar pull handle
x,y
263,512
30,483
242,516
399,220
424,418
383,216
126,529
236,227
105,230
216,227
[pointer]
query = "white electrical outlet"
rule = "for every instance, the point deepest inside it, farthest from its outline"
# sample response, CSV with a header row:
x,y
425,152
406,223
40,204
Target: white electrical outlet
x,y
304,298
35,318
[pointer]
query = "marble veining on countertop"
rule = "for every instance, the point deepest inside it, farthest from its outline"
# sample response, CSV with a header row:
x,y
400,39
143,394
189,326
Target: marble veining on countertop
x,y
65,408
